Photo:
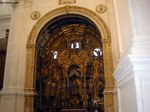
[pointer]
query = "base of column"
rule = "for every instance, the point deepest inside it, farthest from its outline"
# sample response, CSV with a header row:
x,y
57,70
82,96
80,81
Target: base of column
x,y
13,100
108,101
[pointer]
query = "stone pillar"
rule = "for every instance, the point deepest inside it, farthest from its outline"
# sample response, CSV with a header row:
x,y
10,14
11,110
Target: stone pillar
x,y
115,99
125,81
12,94
109,81
133,73
108,101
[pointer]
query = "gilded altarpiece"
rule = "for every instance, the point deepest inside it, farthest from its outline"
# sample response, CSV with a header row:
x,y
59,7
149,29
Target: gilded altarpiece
x,y
73,63
70,66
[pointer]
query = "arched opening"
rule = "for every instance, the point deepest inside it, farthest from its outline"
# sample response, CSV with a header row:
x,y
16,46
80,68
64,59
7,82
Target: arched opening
x,y
105,51
70,67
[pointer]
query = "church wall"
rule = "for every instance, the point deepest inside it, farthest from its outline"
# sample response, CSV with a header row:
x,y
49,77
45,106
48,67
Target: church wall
x,y
123,25
127,99
141,17
21,27
135,17
140,51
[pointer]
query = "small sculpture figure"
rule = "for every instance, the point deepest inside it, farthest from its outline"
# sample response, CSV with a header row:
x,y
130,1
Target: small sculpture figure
x,y
7,33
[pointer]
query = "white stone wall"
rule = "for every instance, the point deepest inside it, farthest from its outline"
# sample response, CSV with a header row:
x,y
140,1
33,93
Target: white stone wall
x,y
123,25
133,73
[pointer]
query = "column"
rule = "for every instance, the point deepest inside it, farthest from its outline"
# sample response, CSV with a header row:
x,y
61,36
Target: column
x,y
109,80
12,94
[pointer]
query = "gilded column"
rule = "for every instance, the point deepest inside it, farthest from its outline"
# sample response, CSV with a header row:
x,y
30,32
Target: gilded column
x,y
109,81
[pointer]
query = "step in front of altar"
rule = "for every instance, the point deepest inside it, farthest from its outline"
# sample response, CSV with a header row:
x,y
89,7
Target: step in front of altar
x,y
73,110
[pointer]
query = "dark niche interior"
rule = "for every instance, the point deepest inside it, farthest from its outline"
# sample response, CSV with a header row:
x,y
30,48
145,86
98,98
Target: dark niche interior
x,y
69,66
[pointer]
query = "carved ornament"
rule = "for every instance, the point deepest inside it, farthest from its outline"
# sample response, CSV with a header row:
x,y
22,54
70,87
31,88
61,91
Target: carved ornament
x,y
35,15
61,2
101,8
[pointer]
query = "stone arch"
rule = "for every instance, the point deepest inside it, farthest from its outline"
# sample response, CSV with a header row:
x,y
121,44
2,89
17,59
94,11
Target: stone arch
x,y
66,10
31,44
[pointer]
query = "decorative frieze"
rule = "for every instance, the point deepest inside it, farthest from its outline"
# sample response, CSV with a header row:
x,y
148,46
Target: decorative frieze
x,y
61,2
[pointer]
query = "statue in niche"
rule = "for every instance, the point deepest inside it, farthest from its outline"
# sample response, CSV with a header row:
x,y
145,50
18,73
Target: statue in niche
x,y
45,58
46,87
53,88
44,71
91,86
100,93
86,42
64,93
7,33
99,87
96,65
74,79
76,89
100,70
58,90
51,71
89,70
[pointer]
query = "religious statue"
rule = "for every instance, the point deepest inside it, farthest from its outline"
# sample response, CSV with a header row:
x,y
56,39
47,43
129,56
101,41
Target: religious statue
x,y
52,88
91,87
75,88
96,65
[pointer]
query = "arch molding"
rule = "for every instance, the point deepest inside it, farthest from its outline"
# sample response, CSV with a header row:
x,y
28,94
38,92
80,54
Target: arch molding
x,y
31,50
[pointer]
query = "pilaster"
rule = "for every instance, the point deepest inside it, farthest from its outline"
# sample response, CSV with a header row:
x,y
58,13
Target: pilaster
x,y
109,81
12,94
125,81
140,59
132,74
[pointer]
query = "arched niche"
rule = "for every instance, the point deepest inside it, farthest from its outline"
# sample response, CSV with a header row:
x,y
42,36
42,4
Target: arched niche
x,y
106,45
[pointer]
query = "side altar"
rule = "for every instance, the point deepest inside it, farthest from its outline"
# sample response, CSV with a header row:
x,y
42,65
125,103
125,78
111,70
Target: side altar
x,y
70,71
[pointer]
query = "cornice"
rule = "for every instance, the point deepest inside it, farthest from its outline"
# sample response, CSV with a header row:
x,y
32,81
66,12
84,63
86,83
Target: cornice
x,y
25,3
8,16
